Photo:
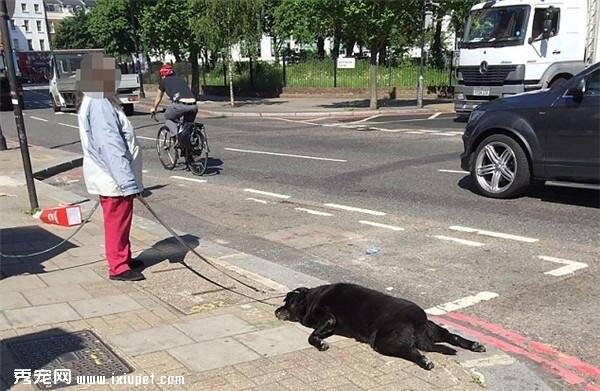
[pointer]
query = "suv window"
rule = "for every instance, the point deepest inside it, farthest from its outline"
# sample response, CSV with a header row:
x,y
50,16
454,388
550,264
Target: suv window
x,y
592,83
538,22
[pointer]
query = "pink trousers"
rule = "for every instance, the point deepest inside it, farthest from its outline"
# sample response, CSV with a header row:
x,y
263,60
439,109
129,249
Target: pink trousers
x,y
118,212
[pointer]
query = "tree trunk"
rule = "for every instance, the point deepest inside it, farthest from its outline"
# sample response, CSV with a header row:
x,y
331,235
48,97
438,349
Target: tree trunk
x,y
436,47
373,78
321,47
195,72
230,69
349,47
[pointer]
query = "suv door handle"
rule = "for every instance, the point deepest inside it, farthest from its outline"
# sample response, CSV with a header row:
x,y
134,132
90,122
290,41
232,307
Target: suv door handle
x,y
556,52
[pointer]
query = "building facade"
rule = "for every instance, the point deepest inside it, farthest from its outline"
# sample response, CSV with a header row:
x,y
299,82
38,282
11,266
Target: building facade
x,y
58,10
27,25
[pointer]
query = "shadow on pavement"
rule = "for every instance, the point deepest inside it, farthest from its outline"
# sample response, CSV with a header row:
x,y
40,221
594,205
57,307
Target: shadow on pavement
x,y
148,190
167,249
560,195
214,166
25,240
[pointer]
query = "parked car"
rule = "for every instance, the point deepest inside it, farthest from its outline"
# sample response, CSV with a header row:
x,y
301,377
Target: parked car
x,y
547,135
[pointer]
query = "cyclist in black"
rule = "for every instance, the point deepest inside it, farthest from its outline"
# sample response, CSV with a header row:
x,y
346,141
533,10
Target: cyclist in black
x,y
183,101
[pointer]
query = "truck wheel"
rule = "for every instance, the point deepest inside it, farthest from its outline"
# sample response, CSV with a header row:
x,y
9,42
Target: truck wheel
x,y
558,82
499,167
54,106
128,109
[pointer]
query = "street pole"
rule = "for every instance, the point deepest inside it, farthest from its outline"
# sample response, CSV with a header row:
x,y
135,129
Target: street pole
x,y
12,79
137,65
421,82
2,141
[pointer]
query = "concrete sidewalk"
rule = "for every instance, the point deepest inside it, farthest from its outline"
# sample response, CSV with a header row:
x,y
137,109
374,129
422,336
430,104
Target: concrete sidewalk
x,y
215,339
309,106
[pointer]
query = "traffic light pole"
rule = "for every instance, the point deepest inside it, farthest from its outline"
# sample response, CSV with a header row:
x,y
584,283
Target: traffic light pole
x,y
12,79
421,82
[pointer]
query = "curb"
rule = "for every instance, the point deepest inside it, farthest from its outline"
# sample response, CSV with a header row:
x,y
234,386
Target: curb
x,y
50,170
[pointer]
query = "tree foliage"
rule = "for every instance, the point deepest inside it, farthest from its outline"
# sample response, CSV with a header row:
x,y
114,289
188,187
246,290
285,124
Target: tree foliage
x,y
110,23
73,33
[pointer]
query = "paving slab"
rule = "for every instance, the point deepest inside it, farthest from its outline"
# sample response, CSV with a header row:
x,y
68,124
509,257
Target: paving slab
x,y
4,325
106,305
12,300
20,283
151,340
214,327
71,276
278,340
56,294
203,356
40,315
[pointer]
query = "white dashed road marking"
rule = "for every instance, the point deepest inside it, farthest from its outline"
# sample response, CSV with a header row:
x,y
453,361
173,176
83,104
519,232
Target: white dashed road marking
x,y
145,138
379,225
38,118
494,234
354,209
189,179
459,241
465,302
267,193
68,125
314,212
286,155
434,116
569,268
257,200
454,171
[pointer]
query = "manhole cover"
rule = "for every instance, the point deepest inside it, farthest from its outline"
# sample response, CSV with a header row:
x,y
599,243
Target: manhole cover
x,y
82,353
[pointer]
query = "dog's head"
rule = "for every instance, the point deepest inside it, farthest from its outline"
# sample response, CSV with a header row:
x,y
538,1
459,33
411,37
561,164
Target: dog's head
x,y
294,306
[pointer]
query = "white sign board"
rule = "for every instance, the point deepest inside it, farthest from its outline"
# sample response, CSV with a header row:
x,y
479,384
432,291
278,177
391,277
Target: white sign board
x,y
346,63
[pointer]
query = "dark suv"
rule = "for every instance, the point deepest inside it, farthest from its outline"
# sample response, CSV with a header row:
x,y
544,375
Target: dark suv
x,y
548,135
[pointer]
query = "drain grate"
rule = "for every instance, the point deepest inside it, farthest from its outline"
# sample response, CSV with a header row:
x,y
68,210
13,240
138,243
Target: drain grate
x,y
81,352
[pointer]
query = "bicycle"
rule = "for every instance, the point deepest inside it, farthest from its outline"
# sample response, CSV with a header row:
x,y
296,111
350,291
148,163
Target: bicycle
x,y
190,143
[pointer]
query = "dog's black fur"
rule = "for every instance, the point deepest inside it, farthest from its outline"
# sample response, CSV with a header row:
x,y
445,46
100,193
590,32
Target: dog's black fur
x,y
392,326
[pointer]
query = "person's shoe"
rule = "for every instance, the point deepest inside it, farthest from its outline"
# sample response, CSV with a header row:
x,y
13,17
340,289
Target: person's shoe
x,y
135,264
129,275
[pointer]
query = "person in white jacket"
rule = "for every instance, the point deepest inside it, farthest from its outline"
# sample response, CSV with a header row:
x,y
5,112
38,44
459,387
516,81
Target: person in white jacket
x,y
112,160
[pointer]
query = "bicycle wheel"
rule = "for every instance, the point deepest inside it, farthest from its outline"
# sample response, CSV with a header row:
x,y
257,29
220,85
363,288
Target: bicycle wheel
x,y
165,147
197,155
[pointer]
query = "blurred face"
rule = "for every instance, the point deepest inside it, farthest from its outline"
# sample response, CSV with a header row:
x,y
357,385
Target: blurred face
x,y
98,74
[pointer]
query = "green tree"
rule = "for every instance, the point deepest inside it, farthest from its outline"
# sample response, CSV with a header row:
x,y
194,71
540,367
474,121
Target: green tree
x,y
110,24
73,33
225,23
165,28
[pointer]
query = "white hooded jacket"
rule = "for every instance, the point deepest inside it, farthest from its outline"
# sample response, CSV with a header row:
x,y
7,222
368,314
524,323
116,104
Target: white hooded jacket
x,y
112,158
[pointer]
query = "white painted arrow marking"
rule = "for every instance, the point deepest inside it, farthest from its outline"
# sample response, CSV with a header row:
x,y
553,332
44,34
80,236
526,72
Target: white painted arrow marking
x,y
569,268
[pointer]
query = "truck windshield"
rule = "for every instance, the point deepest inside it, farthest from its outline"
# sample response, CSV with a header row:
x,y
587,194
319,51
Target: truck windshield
x,y
68,64
496,26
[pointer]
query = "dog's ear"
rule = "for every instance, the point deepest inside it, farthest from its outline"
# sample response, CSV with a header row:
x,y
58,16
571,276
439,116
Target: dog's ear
x,y
298,292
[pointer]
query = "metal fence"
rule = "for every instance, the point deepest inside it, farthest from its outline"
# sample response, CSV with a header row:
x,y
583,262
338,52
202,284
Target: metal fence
x,y
313,74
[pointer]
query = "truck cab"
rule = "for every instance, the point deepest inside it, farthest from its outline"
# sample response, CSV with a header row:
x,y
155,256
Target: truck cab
x,y
515,46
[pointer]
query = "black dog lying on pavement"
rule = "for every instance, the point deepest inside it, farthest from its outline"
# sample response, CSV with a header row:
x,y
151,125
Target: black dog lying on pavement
x,y
392,326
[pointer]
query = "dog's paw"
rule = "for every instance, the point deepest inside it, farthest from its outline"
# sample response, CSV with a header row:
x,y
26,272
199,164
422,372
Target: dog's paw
x,y
477,347
323,346
427,364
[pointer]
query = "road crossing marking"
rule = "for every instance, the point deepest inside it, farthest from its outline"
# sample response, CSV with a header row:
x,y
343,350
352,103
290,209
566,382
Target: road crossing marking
x,y
454,171
569,268
434,116
379,225
465,302
68,125
354,209
189,179
459,241
257,200
38,118
494,234
267,193
286,155
314,212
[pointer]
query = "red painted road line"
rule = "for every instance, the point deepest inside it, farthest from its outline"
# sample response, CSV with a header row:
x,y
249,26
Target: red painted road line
x,y
591,387
552,367
537,347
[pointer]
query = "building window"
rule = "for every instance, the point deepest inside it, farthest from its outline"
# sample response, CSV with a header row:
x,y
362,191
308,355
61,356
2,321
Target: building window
x,y
30,44
36,8
15,44
26,25
39,25
42,44
52,26
24,7
12,24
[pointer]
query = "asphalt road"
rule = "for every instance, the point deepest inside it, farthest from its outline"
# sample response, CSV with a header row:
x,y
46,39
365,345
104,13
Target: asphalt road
x,y
285,189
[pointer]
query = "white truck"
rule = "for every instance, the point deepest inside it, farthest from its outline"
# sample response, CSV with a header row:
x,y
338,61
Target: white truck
x,y
63,91
514,46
